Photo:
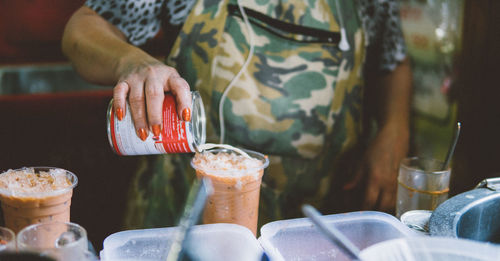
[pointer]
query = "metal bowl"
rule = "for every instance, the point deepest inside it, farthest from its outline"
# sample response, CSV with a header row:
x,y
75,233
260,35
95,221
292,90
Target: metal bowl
x,y
474,214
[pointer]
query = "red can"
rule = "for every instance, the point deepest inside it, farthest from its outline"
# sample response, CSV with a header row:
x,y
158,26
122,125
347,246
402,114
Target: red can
x,y
176,137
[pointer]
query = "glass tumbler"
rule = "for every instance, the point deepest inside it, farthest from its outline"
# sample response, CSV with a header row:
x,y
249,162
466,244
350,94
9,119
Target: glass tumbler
x,y
422,184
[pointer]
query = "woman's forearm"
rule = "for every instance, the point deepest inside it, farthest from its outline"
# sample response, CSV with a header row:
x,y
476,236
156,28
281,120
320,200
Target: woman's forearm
x,y
96,48
394,98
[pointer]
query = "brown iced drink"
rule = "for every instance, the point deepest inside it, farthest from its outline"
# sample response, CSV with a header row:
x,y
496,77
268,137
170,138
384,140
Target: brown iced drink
x,y
236,184
35,195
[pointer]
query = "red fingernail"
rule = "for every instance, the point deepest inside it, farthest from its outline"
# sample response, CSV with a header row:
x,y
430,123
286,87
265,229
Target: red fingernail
x,y
156,130
143,134
119,114
186,114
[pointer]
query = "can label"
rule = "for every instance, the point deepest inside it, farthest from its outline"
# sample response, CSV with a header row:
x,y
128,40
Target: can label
x,y
176,136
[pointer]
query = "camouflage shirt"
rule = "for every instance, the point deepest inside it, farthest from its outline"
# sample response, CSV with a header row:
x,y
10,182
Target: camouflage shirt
x,y
299,98
140,20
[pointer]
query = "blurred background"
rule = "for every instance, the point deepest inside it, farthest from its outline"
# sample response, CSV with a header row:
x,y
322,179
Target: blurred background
x,y
49,116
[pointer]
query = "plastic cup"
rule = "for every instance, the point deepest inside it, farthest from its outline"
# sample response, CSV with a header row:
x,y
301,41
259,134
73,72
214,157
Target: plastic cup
x,y
422,184
21,208
235,196
7,240
59,240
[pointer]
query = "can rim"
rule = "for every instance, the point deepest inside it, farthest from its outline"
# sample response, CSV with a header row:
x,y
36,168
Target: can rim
x,y
198,121
417,219
109,123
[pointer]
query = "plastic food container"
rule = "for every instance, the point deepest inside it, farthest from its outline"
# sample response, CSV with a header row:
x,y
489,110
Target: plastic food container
x,y
299,239
432,249
208,242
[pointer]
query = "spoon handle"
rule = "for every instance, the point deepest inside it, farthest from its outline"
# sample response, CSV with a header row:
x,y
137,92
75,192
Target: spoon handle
x,y
332,233
198,194
452,148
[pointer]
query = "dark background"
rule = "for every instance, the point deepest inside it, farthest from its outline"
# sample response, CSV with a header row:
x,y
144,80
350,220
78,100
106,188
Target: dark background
x,y
478,150
67,129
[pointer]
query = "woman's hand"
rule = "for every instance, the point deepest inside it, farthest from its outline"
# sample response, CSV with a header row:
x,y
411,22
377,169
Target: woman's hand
x,y
101,54
380,166
143,80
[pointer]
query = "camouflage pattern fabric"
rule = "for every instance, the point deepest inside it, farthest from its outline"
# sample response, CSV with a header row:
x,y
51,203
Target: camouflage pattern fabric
x,y
298,101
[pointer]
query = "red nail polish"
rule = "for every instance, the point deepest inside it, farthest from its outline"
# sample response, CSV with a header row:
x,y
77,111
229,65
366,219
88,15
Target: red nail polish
x,y
186,114
119,114
143,134
156,130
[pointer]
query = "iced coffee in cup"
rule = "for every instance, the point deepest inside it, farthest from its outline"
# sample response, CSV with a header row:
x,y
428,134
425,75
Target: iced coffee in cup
x,y
236,181
35,195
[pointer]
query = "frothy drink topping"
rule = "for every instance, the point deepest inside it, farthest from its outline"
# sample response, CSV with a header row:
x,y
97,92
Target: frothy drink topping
x,y
28,181
226,164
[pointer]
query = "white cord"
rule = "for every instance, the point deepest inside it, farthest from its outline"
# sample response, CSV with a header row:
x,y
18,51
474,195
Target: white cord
x,y
344,43
237,76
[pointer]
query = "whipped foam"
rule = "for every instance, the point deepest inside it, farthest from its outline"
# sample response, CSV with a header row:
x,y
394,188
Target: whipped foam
x,y
26,180
228,164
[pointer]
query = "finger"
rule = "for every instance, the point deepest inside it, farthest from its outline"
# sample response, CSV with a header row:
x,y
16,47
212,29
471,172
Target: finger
x,y
378,202
354,182
388,201
180,89
371,197
154,104
138,108
119,99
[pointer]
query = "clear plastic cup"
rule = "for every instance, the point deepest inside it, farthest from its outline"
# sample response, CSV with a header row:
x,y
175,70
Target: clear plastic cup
x,y
59,240
7,240
236,192
422,184
22,208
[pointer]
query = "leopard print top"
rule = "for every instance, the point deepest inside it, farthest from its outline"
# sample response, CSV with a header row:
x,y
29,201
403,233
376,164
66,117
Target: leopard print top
x,y
140,20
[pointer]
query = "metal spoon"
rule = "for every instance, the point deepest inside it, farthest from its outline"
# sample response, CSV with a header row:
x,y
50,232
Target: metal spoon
x,y
332,233
198,194
452,147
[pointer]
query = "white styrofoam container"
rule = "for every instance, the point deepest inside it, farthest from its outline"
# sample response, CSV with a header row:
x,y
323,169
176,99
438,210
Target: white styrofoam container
x,y
211,242
299,239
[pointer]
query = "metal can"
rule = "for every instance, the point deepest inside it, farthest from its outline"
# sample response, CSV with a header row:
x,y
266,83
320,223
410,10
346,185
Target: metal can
x,y
176,136
417,220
